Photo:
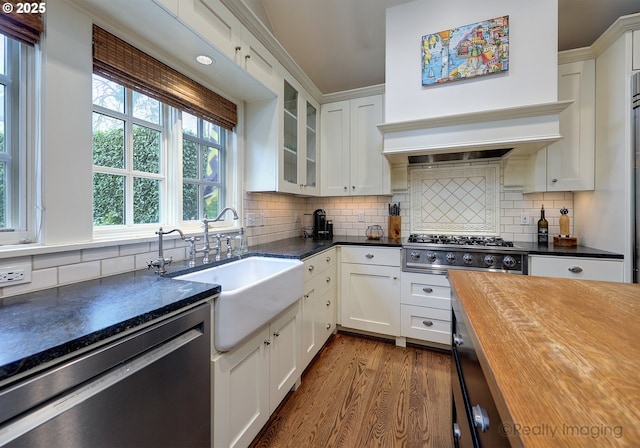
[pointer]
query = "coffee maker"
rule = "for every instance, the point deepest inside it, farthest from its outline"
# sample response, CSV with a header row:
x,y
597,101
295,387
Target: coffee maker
x,y
320,227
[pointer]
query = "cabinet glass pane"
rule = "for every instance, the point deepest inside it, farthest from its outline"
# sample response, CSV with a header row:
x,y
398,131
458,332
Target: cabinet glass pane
x,y
290,168
311,145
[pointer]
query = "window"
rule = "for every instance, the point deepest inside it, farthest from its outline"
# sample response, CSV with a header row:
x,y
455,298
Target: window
x,y
203,162
13,113
128,168
133,151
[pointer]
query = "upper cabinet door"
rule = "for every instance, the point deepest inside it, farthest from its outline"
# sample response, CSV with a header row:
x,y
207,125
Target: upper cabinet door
x,y
571,161
352,160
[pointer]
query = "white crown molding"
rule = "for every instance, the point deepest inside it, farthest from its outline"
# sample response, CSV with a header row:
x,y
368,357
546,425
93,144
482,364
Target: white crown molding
x,y
617,29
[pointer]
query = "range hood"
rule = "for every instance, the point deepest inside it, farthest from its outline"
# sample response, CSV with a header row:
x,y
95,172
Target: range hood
x,y
522,129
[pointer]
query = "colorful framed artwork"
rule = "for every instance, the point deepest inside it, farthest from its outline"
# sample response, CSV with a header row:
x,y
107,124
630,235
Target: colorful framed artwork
x,y
468,51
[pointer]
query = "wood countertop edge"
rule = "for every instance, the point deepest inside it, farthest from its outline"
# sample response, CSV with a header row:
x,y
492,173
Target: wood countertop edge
x,y
496,393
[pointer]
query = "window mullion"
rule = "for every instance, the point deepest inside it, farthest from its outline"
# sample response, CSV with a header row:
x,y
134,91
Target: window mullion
x,y
128,108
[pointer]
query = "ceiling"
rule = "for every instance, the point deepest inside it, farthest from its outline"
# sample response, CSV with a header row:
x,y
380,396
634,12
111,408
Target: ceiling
x,y
348,36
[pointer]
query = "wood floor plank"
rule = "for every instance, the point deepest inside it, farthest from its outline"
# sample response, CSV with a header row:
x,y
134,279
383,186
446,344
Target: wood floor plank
x,y
363,392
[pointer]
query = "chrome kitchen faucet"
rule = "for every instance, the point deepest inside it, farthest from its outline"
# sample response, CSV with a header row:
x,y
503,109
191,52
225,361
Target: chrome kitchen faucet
x,y
160,262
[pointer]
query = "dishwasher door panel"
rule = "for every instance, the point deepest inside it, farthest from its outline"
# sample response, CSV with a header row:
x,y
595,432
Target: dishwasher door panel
x,y
159,397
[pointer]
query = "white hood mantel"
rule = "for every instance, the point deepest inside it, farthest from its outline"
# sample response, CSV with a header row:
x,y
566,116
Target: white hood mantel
x,y
526,129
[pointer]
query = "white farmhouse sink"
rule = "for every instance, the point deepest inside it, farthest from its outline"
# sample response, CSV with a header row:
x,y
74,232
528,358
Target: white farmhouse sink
x,y
254,291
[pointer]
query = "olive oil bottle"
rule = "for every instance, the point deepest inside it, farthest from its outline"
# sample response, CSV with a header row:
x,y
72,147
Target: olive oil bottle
x,y
543,229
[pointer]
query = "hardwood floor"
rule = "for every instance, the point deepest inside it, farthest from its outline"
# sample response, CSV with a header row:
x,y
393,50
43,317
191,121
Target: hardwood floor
x,y
362,392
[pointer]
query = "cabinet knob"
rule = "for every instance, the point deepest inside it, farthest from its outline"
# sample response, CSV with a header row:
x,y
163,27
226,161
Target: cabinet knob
x,y
457,339
353,187
554,180
427,290
480,418
427,323
311,268
328,279
575,269
328,259
328,326
276,333
369,256
395,277
267,342
345,188
238,48
247,57
328,302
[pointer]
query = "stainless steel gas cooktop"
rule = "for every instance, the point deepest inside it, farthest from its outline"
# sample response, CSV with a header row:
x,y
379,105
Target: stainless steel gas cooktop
x,y
438,253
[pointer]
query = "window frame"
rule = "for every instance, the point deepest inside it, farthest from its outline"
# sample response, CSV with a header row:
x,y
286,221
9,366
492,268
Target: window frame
x,y
22,201
171,197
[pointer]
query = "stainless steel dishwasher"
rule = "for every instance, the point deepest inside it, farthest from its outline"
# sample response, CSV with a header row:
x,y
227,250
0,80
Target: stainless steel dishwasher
x,y
149,388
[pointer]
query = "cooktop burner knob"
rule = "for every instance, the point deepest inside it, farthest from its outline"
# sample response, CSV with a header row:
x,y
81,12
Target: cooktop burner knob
x,y
415,255
451,257
431,257
489,260
467,258
509,262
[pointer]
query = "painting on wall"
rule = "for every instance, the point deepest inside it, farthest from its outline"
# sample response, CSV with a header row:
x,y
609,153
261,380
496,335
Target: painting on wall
x,y
465,52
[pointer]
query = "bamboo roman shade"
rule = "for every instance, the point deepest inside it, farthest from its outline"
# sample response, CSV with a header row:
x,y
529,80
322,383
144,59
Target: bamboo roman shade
x,y
24,26
120,62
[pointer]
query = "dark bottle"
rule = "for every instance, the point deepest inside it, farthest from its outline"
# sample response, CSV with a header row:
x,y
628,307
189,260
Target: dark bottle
x,y
543,229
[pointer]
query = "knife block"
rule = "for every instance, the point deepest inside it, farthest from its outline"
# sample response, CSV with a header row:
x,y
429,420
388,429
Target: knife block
x,y
395,227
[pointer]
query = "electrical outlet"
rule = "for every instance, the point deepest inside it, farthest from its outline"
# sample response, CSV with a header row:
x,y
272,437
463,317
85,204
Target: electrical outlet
x,y
360,217
525,219
261,218
251,219
15,275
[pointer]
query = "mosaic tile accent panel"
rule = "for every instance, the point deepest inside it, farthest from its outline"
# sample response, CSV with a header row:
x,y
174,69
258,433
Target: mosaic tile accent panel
x,y
456,200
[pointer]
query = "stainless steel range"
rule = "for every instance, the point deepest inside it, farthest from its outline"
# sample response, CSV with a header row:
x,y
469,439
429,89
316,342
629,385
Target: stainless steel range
x,y
436,253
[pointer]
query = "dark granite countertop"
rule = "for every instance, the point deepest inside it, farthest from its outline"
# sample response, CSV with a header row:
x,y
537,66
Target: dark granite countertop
x,y
559,251
38,328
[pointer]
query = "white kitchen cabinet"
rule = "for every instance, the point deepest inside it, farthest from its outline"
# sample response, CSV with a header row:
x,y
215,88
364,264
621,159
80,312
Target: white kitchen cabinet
x,y
216,24
426,308
251,380
370,289
610,270
569,164
318,303
282,141
351,148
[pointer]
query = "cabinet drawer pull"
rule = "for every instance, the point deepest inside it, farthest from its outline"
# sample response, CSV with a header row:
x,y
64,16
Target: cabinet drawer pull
x,y
267,342
575,269
328,259
311,268
328,302
427,290
276,333
554,180
427,323
369,256
238,48
328,279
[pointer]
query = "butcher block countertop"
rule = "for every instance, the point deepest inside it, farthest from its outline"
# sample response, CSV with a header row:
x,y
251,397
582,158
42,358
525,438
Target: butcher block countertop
x,y
562,357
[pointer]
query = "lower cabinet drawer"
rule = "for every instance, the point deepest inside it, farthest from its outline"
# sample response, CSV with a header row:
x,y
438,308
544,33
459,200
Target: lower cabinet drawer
x,y
577,267
427,324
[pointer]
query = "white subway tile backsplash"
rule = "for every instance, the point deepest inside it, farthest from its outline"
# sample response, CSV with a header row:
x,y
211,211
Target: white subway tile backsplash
x,y
100,253
118,265
56,259
78,272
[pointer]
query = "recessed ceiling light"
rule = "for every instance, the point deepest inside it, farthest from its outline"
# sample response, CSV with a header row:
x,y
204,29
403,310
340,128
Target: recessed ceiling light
x,y
204,59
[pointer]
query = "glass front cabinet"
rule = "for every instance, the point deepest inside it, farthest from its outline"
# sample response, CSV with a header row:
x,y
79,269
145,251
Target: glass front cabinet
x,y
299,167
282,142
